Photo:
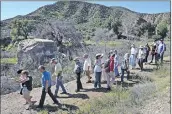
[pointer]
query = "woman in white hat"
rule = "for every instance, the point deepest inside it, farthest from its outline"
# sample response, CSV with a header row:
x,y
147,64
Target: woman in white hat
x,y
98,71
141,56
133,56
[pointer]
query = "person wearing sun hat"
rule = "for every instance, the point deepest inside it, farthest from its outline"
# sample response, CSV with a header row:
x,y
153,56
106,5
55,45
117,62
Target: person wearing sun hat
x,y
160,50
133,56
141,56
98,71
153,51
87,67
58,74
78,70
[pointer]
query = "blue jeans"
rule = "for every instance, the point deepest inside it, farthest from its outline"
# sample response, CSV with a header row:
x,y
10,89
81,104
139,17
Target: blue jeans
x,y
122,74
59,83
97,79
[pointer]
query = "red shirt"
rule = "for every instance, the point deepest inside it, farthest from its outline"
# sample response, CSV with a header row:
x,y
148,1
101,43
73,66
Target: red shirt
x,y
111,65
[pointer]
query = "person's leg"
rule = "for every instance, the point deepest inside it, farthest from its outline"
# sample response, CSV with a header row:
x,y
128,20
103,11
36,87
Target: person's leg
x,y
62,86
88,75
52,96
108,79
57,86
122,75
152,58
78,82
141,64
128,74
96,80
41,102
162,56
99,79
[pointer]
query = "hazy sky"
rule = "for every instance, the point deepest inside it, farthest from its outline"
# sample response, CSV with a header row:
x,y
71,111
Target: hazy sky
x,y
11,9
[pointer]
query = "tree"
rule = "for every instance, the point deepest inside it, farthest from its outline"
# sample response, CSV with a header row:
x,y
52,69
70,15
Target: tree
x,y
21,28
115,26
162,29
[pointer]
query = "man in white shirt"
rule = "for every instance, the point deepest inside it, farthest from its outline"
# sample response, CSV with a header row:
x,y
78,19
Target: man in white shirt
x,y
87,67
58,74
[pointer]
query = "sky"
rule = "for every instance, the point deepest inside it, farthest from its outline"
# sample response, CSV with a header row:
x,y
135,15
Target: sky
x,y
11,9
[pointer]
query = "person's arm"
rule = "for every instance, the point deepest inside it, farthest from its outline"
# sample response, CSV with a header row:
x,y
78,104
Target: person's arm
x,y
23,80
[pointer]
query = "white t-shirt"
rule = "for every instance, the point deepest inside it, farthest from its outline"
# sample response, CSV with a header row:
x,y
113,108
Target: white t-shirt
x,y
86,64
133,51
97,67
141,54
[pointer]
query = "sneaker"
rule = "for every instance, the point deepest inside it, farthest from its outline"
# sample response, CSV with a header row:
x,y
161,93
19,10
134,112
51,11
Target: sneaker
x,y
63,93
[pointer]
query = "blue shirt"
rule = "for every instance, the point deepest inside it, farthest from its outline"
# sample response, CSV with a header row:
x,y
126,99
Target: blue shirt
x,y
46,76
161,48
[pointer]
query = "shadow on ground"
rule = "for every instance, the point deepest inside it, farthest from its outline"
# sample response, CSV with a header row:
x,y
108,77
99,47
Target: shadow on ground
x,y
64,107
78,95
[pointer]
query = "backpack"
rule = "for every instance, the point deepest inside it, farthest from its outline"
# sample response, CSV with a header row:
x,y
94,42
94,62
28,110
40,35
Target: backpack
x,y
28,83
106,65
79,68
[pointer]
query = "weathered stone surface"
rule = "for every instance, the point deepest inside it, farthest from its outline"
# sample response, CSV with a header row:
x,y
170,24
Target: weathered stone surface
x,y
34,52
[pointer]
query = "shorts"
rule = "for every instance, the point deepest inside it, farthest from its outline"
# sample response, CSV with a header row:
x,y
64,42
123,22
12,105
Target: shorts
x,y
26,93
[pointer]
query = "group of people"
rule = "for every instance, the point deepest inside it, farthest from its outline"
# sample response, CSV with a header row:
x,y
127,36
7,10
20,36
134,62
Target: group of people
x,y
109,69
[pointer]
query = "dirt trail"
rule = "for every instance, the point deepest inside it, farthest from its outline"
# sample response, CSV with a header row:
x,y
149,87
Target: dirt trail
x,y
13,103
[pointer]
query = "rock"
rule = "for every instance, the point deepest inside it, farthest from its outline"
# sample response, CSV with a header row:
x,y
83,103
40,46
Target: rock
x,y
34,52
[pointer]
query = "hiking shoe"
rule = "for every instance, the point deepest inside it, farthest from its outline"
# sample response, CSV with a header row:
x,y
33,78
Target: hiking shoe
x,y
63,93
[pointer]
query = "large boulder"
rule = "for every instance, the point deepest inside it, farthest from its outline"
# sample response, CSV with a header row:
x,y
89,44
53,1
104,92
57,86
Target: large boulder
x,y
34,52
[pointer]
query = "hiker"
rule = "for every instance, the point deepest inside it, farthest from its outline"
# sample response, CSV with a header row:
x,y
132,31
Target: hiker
x,y
147,49
46,87
153,51
160,50
21,87
111,68
103,77
133,56
58,74
87,67
107,73
110,53
98,71
78,70
26,81
141,56
125,67
116,63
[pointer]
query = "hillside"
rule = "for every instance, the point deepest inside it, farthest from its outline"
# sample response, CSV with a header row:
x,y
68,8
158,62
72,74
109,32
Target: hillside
x,y
86,15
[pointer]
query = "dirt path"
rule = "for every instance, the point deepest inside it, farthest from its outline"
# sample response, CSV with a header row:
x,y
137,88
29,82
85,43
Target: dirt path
x,y
13,103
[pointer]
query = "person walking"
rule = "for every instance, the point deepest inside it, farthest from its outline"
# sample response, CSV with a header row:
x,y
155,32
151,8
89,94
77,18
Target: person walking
x,y
103,77
46,87
111,67
87,67
107,73
26,82
98,71
133,56
125,67
153,51
141,56
58,74
116,64
160,50
147,48
78,70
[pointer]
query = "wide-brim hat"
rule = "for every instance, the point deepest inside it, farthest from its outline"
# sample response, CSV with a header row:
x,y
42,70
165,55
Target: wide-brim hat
x,y
76,59
102,55
53,59
99,54
161,39
132,45
141,47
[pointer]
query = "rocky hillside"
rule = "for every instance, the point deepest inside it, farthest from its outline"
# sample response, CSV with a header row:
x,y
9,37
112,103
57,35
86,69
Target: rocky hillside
x,y
87,16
